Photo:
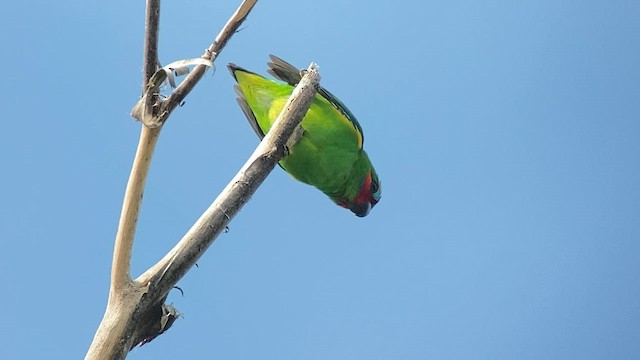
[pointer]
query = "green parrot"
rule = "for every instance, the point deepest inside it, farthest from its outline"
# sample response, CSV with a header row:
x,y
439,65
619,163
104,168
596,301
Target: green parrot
x,y
329,155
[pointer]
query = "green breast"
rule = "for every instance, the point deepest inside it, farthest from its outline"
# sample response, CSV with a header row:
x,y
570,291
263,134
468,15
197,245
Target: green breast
x,y
329,155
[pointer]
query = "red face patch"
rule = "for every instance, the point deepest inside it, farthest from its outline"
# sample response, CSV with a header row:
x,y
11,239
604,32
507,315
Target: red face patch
x,y
365,191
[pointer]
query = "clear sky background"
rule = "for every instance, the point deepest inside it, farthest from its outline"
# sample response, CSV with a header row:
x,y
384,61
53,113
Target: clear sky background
x,y
506,135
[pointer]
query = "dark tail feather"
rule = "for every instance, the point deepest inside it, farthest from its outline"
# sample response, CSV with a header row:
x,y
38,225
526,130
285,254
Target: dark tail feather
x,y
284,71
242,101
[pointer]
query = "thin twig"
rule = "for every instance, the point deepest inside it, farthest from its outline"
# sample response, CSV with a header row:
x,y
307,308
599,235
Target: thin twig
x,y
166,273
150,59
230,28
151,26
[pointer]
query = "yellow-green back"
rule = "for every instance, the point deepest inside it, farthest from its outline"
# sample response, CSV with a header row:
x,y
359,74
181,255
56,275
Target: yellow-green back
x,y
329,155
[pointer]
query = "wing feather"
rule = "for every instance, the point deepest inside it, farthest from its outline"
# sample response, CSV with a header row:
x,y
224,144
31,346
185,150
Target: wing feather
x,y
288,73
242,101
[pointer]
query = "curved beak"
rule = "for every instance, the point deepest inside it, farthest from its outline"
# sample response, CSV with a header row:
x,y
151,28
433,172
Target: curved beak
x,y
361,210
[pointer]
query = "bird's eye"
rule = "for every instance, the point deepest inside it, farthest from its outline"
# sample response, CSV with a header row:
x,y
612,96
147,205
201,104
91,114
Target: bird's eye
x,y
375,190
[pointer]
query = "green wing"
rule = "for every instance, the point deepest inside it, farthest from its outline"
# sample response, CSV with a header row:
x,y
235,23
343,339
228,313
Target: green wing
x,y
242,100
288,73
329,155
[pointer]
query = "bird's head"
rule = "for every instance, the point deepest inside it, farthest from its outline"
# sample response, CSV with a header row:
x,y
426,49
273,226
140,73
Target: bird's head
x,y
367,197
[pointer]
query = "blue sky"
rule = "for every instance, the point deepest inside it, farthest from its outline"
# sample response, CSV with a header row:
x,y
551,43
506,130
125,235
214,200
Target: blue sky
x,y
505,133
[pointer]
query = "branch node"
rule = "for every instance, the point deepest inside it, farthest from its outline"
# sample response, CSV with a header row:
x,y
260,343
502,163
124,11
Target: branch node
x,y
147,108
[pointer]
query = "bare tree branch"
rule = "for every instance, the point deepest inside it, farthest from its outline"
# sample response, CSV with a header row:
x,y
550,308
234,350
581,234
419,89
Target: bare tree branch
x,y
211,53
120,273
123,292
136,312
151,29
120,270
150,56
165,274
155,112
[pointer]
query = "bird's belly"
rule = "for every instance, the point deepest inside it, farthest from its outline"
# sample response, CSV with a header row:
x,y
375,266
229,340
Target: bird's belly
x,y
319,164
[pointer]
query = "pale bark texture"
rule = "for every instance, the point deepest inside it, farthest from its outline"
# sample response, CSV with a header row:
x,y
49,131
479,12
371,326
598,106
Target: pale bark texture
x,y
136,312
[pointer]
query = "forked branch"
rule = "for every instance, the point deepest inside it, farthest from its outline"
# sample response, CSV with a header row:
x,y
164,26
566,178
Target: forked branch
x,y
132,316
165,274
